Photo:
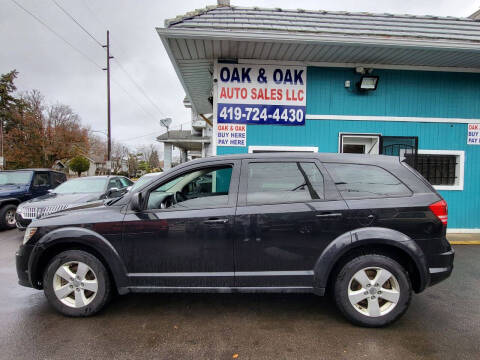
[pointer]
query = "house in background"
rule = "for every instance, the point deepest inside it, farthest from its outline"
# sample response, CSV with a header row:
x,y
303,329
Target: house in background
x,y
98,166
193,143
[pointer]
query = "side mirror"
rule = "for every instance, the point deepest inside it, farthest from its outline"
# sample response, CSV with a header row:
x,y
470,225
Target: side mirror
x,y
136,202
113,192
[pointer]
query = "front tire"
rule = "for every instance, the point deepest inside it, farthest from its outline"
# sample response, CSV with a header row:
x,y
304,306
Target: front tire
x,y
372,290
76,283
7,217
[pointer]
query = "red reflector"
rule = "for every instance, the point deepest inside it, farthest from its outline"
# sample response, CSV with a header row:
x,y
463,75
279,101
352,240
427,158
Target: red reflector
x,y
440,210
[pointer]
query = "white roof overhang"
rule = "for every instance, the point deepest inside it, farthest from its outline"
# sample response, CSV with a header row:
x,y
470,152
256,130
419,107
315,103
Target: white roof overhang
x,y
193,52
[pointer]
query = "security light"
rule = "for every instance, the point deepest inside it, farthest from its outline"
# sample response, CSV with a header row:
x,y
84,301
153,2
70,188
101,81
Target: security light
x,y
368,83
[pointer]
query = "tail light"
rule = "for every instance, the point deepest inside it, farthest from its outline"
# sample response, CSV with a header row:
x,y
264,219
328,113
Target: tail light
x,y
440,210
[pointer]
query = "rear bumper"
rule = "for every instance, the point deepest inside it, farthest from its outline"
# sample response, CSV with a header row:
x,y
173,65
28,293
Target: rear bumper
x,y
443,267
22,256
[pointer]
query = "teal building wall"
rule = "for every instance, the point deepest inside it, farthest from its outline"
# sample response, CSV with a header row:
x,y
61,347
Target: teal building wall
x,y
400,93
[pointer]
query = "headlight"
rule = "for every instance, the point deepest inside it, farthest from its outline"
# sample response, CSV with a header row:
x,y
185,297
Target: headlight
x,y
29,232
20,209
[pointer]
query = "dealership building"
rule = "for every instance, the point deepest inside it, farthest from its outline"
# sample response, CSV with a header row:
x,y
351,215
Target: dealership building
x,y
262,80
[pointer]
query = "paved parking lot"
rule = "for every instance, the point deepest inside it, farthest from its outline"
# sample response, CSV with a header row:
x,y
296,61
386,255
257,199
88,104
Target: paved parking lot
x,y
442,323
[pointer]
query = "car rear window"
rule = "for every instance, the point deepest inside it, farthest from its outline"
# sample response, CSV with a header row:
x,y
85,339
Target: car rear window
x,y
355,181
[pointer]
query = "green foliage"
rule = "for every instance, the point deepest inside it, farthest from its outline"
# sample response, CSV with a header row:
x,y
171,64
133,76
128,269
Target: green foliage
x,y
79,164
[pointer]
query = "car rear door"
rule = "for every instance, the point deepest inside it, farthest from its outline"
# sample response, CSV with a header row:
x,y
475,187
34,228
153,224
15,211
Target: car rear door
x,y
288,212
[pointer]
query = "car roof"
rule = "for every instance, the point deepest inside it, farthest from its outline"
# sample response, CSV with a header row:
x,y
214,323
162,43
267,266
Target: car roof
x,y
152,174
323,157
36,169
96,177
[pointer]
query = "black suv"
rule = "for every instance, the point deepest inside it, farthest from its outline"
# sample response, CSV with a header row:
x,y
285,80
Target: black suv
x,y
367,229
17,186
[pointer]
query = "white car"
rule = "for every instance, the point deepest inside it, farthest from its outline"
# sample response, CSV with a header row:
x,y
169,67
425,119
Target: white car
x,y
145,179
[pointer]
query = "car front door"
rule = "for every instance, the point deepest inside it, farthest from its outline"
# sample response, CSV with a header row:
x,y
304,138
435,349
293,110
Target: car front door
x,y
288,212
184,236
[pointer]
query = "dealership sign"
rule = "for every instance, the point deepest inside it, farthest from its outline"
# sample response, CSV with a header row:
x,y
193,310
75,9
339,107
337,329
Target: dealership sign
x,y
473,137
261,94
231,135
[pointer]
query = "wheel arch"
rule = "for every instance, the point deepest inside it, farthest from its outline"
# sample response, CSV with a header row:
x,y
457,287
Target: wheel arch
x,y
87,240
367,241
9,201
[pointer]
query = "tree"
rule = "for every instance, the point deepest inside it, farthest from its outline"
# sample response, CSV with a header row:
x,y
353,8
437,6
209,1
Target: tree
x,y
35,134
79,164
153,160
132,165
119,155
8,102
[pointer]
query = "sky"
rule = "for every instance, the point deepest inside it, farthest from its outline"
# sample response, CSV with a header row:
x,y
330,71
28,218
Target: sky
x,y
46,63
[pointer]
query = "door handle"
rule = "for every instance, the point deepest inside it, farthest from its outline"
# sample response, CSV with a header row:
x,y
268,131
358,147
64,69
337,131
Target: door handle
x,y
216,221
329,215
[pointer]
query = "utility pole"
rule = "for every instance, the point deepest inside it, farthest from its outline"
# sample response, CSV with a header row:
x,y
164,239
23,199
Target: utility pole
x,y
109,134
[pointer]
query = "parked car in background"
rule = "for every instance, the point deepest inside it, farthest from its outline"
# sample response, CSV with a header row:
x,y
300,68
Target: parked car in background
x,y
367,229
145,179
71,193
17,186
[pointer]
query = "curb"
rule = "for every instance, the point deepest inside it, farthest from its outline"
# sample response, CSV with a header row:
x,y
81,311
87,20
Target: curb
x,y
465,242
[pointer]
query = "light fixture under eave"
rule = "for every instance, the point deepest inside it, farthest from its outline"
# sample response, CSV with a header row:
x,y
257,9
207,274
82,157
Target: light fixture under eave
x,y
368,83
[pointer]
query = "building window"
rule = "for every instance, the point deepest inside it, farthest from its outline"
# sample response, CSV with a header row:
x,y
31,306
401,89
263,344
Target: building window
x,y
359,143
444,169
264,149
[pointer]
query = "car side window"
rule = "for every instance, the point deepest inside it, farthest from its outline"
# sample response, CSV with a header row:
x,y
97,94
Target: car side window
x,y
277,182
57,179
114,183
125,182
355,181
196,189
41,179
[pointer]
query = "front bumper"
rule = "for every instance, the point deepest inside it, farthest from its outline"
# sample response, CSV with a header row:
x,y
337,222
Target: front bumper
x,y
22,256
21,222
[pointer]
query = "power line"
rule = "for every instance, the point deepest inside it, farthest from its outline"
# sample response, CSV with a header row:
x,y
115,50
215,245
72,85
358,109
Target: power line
x,y
131,78
57,34
133,98
138,137
138,87
76,22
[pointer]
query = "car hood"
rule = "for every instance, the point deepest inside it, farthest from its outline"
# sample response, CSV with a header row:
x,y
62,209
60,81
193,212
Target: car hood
x,y
7,190
60,199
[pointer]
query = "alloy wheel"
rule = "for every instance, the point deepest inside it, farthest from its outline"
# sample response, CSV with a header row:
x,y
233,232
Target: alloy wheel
x,y
10,217
75,284
373,291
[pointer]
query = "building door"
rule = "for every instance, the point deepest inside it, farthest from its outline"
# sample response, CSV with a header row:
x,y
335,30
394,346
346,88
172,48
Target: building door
x,y
405,147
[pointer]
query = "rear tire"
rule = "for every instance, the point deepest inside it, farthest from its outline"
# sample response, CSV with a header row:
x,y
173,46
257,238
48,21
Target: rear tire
x,y
7,217
76,283
372,290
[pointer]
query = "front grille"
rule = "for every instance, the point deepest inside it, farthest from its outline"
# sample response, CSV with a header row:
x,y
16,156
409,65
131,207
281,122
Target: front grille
x,y
29,213
32,213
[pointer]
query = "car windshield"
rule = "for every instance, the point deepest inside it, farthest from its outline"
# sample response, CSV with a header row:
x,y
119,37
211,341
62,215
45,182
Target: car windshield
x,y
143,180
82,185
15,177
